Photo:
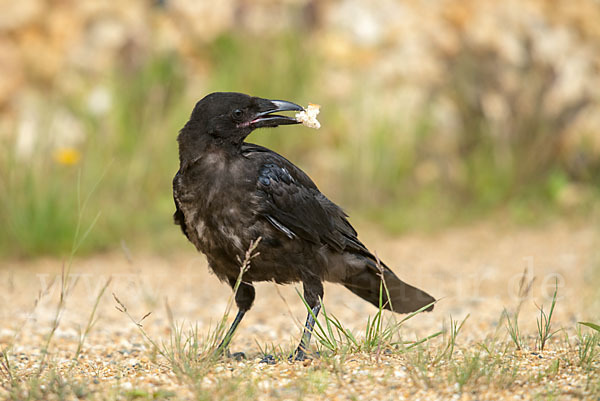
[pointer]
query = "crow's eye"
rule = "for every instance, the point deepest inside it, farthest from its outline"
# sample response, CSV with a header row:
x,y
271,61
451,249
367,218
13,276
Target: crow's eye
x,y
237,113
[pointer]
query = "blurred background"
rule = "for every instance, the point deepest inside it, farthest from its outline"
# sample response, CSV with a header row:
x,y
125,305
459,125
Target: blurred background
x,y
434,113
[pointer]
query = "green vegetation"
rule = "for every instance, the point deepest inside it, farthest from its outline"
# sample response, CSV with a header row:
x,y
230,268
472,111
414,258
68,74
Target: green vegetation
x,y
128,156
512,323
591,325
334,339
544,323
383,166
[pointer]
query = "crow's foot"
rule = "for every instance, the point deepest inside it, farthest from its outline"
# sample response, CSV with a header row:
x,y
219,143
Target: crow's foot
x,y
301,355
268,359
238,356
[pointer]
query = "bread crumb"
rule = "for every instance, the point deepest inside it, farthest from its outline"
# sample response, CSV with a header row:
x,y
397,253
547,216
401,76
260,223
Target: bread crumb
x,y
308,116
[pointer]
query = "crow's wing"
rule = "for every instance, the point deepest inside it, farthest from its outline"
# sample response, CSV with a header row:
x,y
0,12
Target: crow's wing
x,y
293,204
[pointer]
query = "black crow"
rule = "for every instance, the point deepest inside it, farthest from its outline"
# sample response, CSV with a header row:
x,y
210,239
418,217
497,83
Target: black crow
x,y
229,192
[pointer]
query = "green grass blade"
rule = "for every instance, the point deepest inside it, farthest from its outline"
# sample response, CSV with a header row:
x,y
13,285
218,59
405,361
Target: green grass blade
x,y
415,313
423,340
327,323
321,334
591,325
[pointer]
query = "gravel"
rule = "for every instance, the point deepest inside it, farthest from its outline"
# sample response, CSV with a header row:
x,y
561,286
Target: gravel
x,y
473,270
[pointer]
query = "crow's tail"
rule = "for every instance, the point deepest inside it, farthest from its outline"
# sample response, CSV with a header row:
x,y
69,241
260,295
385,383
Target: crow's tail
x,y
403,298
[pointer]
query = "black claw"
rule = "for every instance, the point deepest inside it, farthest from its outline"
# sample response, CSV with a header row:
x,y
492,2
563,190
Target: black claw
x,y
268,359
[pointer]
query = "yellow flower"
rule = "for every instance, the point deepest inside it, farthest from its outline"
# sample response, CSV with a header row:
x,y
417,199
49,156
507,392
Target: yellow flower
x,y
67,156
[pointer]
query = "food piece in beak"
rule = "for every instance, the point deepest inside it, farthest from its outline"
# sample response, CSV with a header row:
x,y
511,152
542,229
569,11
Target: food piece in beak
x,y
308,116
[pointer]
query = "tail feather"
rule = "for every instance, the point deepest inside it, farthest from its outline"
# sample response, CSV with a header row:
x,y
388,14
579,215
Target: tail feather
x,y
403,298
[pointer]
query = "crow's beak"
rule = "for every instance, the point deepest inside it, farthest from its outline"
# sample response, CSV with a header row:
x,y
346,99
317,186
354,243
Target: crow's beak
x,y
268,119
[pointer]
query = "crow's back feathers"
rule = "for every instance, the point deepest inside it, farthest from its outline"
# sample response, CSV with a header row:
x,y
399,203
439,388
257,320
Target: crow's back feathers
x,y
291,201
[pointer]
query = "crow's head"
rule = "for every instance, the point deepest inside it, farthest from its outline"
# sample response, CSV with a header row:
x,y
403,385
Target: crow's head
x,y
227,118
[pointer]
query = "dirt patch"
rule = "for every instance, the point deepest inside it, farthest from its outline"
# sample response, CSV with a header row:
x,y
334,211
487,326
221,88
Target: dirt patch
x,y
473,270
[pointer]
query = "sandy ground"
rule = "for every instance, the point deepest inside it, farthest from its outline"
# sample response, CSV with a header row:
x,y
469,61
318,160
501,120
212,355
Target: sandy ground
x,y
473,270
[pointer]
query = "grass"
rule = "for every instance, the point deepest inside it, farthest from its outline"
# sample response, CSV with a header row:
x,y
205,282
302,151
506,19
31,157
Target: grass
x,y
588,349
445,364
512,323
46,381
451,335
437,365
594,326
377,358
190,355
380,335
544,322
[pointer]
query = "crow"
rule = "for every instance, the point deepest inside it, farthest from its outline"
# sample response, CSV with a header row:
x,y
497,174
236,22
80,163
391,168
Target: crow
x,y
228,193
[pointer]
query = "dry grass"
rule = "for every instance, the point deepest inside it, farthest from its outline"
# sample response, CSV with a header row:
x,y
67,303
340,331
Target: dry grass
x,y
96,352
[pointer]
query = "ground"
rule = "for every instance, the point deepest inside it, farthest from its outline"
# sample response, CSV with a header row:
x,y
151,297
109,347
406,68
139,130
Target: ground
x,y
474,271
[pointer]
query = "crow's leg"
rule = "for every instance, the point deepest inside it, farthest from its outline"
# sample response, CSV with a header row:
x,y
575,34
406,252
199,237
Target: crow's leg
x,y
313,293
244,297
